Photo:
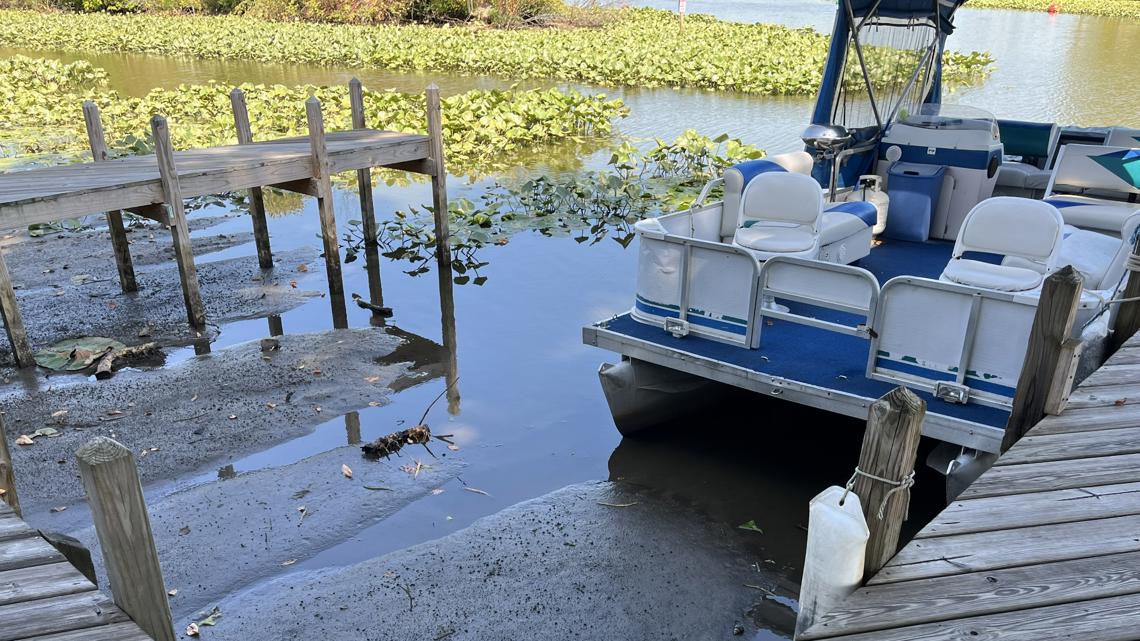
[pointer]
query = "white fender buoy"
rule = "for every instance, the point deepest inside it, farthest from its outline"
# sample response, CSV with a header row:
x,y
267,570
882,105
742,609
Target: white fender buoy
x,y
836,549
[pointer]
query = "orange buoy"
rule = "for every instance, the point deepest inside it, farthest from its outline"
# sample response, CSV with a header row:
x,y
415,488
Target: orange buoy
x,y
1054,9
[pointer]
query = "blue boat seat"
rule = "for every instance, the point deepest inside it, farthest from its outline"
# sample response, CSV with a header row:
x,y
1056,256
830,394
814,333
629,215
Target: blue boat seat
x,y
1029,231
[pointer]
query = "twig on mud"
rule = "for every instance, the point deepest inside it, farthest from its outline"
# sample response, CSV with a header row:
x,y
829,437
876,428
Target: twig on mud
x,y
408,590
617,504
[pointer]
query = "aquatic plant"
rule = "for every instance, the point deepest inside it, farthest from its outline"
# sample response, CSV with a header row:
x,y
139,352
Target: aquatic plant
x,y
42,113
1108,8
640,48
588,206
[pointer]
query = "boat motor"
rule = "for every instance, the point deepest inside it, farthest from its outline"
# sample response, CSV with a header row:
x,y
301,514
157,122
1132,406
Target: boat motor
x,y
828,141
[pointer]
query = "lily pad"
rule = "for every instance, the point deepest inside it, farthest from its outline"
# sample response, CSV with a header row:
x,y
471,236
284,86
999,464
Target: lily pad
x,y
75,354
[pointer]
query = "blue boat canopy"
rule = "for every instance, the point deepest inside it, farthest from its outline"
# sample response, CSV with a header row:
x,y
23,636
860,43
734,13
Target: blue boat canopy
x,y
908,9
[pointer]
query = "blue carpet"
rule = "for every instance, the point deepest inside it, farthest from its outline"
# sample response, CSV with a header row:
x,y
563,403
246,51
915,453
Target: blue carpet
x,y
819,357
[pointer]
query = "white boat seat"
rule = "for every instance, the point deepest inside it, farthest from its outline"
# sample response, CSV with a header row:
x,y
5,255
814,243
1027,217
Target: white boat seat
x,y
1021,175
1026,233
776,239
1093,213
1123,137
1006,278
780,215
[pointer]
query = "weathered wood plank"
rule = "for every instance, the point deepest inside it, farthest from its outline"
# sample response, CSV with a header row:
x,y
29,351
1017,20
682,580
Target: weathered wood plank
x,y
950,555
9,497
1092,419
27,552
41,582
1061,447
57,614
1038,508
1110,374
1111,619
898,605
13,321
1055,475
115,632
1127,355
1111,396
11,527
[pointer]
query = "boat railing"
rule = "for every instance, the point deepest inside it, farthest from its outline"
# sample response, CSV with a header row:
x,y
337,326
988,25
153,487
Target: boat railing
x,y
816,284
961,344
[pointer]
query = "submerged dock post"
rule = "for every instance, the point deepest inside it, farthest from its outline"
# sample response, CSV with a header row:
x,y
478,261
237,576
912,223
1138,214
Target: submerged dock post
x,y
886,468
13,322
367,206
1048,355
172,194
122,525
256,198
7,473
323,186
97,140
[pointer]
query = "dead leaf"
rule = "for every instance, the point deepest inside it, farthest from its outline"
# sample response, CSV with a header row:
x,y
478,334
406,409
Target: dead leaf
x,y
346,471
212,618
453,448
59,415
437,491
302,267
115,413
293,284
288,563
184,531
374,403
192,630
271,406
193,398
304,512
173,592
1120,401
476,490
232,416
59,509
24,439
371,379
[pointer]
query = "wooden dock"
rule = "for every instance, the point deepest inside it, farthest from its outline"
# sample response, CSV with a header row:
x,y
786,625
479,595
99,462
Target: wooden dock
x,y
42,596
155,185
1044,545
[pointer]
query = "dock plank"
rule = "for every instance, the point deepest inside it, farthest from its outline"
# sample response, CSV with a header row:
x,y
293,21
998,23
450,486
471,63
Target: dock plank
x,y
949,555
114,632
27,552
1107,396
1062,447
1111,619
1092,419
1055,475
981,593
1040,508
41,582
57,614
11,527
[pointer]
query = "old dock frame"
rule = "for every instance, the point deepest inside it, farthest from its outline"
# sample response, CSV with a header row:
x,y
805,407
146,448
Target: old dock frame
x,y
155,185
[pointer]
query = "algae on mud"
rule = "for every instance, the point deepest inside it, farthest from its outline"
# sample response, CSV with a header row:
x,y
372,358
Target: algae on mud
x,y
640,47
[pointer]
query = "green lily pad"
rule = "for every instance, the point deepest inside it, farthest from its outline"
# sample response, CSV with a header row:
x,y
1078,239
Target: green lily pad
x,y
76,354
751,526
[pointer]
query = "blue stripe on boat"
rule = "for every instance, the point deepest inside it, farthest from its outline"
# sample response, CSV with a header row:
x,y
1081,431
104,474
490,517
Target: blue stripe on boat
x,y
861,209
695,319
925,372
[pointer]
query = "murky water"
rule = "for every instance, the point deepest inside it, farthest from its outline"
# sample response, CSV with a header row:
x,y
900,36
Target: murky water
x,y
527,407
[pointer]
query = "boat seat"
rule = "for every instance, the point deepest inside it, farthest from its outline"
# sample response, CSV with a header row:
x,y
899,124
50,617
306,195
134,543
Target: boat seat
x,y
1123,137
844,220
1093,213
1026,231
1028,149
780,215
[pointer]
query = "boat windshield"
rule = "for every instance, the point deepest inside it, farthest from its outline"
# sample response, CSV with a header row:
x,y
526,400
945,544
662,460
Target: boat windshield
x,y
949,117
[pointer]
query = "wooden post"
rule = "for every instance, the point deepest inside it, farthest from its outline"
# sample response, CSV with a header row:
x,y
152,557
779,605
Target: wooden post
x,y
438,181
97,140
367,206
890,447
7,473
122,524
352,428
323,184
183,251
256,199
1045,354
1128,316
13,322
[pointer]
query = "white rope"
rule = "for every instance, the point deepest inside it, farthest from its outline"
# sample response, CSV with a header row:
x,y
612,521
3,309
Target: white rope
x,y
904,485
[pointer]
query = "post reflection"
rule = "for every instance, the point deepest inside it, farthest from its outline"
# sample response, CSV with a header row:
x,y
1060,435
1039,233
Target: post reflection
x,y
447,322
352,428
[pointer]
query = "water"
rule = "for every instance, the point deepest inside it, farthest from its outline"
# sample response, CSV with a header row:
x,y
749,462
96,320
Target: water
x,y
527,409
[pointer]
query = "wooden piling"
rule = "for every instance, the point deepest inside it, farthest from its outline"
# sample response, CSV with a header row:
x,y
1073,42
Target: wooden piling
x,y
890,448
367,205
1046,354
1128,316
438,180
13,322
183,251
7,473
256,199
323,186
97,140
122,524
